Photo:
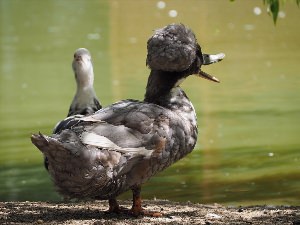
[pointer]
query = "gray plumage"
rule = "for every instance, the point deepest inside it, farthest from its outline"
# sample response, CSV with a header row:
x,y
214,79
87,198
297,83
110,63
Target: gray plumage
x,y
121,146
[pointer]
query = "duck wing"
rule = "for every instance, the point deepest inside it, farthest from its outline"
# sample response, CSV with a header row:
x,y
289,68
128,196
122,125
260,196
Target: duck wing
x,y
134,124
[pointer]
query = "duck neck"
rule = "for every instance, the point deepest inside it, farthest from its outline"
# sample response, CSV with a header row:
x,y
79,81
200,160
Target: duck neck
x,y
85,100
85,82
162,88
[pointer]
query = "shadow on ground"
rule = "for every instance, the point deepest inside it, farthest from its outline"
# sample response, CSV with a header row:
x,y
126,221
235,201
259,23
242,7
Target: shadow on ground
x,y
173,213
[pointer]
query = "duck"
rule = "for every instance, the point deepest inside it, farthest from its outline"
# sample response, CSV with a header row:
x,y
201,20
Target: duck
x,y
85,101
121,146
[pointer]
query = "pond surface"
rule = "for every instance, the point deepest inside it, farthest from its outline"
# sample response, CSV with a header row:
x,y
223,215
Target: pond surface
x,y
248,151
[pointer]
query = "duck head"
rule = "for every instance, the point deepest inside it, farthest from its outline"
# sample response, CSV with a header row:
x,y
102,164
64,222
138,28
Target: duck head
x,y
174,48
83,67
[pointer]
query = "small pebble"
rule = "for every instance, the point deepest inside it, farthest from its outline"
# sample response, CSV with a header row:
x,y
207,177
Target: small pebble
x,y
213,216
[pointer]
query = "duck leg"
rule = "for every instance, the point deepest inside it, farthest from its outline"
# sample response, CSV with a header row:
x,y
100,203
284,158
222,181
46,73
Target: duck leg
x,y
137,209
114,206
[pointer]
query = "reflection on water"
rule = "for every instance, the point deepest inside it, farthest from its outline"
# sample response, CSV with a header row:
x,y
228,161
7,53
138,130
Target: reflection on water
x,y
248,147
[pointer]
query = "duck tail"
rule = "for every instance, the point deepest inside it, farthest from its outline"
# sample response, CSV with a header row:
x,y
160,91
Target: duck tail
x,y
56,145
40,141
65,161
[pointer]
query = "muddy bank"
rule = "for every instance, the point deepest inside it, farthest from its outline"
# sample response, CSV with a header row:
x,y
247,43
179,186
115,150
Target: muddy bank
x,y
173,213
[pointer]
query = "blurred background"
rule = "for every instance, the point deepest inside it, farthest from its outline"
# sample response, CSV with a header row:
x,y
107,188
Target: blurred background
x,y
248,151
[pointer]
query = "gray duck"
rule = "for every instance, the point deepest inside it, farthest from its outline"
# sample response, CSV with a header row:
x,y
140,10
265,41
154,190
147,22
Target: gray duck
x,y
121,146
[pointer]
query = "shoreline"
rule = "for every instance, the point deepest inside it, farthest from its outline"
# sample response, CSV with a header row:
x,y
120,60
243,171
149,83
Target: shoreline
x,y
94,213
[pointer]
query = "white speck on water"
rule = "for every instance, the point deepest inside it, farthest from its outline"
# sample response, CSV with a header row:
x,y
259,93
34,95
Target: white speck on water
x,y
231,26
268,63
282,76
257,11
173,13
37,48
270,154
116,82
217,31
132,40
93,36
161,4
281,14
254,77
249,27
53,29
24,85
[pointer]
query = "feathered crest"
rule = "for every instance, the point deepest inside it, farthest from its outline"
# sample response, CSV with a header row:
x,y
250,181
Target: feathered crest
x,y
172,48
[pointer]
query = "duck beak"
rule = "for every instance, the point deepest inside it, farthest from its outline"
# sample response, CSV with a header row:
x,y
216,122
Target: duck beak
x,y
209,59
207,76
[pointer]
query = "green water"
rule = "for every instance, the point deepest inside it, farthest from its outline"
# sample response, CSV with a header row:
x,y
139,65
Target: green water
x,y
248,147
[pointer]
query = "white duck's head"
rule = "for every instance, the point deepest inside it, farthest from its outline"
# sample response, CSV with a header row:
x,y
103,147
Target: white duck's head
x,y
83,67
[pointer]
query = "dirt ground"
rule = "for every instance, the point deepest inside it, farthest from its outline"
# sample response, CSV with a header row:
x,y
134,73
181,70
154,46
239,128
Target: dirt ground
x,y
173,213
